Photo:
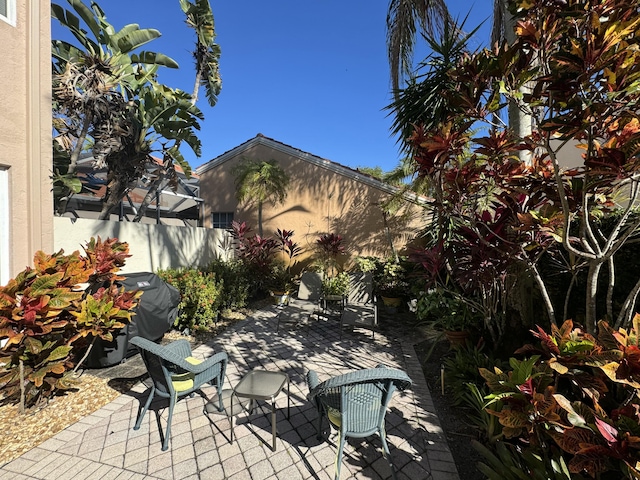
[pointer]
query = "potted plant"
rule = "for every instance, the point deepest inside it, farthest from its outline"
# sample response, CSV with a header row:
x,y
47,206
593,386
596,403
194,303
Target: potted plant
x,y
334,291
391,284
281,281
335,286
448,311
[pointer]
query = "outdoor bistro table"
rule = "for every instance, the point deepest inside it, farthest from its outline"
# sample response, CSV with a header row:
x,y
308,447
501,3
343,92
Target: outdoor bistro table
x,y
333,304
264,385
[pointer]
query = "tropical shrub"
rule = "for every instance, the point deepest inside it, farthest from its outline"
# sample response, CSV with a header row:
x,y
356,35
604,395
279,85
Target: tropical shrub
x,y
336,285
573,400
235,282
330,248
282,278
390,279
257,253
504,197
201,297
52,313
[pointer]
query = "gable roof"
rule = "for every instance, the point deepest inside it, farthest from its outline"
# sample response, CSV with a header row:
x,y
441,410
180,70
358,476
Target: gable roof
x,y
260,139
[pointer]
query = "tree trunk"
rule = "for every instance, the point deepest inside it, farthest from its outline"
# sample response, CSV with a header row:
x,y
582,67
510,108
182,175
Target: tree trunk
x,y
73,163
115,193
151,194
626,312
387,230
260,219
591,320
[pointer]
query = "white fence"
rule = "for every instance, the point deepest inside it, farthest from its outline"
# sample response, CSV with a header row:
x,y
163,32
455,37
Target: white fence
x,y
151,246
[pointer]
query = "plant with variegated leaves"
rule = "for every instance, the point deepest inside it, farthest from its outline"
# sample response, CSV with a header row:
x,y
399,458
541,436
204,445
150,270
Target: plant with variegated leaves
x,y
575,397
47,318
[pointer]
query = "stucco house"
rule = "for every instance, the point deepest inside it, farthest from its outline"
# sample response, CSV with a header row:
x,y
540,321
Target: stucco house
x,y
26,204
323,197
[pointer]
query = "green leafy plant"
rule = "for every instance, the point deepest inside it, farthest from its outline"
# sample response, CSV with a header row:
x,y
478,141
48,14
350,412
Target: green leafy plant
x,y
336,285
201,298
446,310
49,319
390,279
578,393
235,281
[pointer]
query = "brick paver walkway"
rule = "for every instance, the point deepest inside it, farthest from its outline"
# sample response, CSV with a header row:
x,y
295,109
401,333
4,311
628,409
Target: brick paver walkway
x,y
105,446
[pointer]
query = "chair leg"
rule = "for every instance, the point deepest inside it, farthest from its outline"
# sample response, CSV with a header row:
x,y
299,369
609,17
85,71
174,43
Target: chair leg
x,y
165,444
145,408
319,425
386,453
339,455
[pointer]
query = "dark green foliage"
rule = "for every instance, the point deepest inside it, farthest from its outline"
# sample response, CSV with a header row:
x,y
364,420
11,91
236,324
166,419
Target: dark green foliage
x,y
201,297
461,368
233,276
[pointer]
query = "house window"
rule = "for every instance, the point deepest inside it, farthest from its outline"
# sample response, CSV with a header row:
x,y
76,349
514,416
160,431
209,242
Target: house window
x,y
8,11
222,219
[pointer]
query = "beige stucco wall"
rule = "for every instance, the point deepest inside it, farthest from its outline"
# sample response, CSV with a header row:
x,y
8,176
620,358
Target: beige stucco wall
x,y
25,136
151,246
319,201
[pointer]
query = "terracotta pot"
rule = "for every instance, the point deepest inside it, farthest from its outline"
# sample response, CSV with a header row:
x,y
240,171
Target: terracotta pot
x,y
457,338
391,301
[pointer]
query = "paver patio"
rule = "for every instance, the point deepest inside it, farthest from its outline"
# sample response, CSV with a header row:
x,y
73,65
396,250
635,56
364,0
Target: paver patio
x,y
105,446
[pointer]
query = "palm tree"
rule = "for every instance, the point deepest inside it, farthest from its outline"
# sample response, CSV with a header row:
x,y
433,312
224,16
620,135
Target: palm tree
x,y
207,56
405,18
258,182
431,18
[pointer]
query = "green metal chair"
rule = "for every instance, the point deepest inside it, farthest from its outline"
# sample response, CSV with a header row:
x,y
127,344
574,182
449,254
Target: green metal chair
x,y
175,374
356,404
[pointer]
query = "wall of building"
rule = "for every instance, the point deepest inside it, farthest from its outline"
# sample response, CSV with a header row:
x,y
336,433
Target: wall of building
x,y
319,200
151,246
25,136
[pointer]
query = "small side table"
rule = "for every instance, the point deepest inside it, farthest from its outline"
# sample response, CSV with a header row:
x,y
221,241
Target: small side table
x,y
265,385
332,305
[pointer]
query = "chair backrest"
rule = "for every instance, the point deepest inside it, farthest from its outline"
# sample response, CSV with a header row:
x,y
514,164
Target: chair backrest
x,y
310,286
361,397
161,361
360,287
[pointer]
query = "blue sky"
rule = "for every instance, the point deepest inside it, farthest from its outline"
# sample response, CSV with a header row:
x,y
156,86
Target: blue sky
x,y
310,74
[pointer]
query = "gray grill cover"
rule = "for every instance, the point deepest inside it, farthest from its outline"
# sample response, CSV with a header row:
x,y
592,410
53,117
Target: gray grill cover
x,y
154,316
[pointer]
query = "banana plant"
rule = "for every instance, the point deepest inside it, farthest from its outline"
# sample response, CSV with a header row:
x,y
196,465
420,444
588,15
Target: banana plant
x,y
207,56
97,83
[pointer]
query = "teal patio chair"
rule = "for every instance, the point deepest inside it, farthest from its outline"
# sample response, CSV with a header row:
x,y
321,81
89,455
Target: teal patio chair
x,y
356,404
175,374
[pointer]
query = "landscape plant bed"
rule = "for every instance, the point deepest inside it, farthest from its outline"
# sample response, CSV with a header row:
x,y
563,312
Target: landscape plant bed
x,y
458,433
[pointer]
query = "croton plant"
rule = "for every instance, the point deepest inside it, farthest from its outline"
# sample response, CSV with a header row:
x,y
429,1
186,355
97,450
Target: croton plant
x,y
574,400
51,313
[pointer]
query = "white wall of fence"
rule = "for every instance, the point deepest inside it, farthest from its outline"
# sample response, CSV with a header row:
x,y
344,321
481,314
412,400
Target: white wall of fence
x,y
151,246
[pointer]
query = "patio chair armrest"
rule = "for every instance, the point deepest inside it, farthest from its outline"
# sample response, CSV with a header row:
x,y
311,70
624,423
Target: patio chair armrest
x,y
312,382
220,357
